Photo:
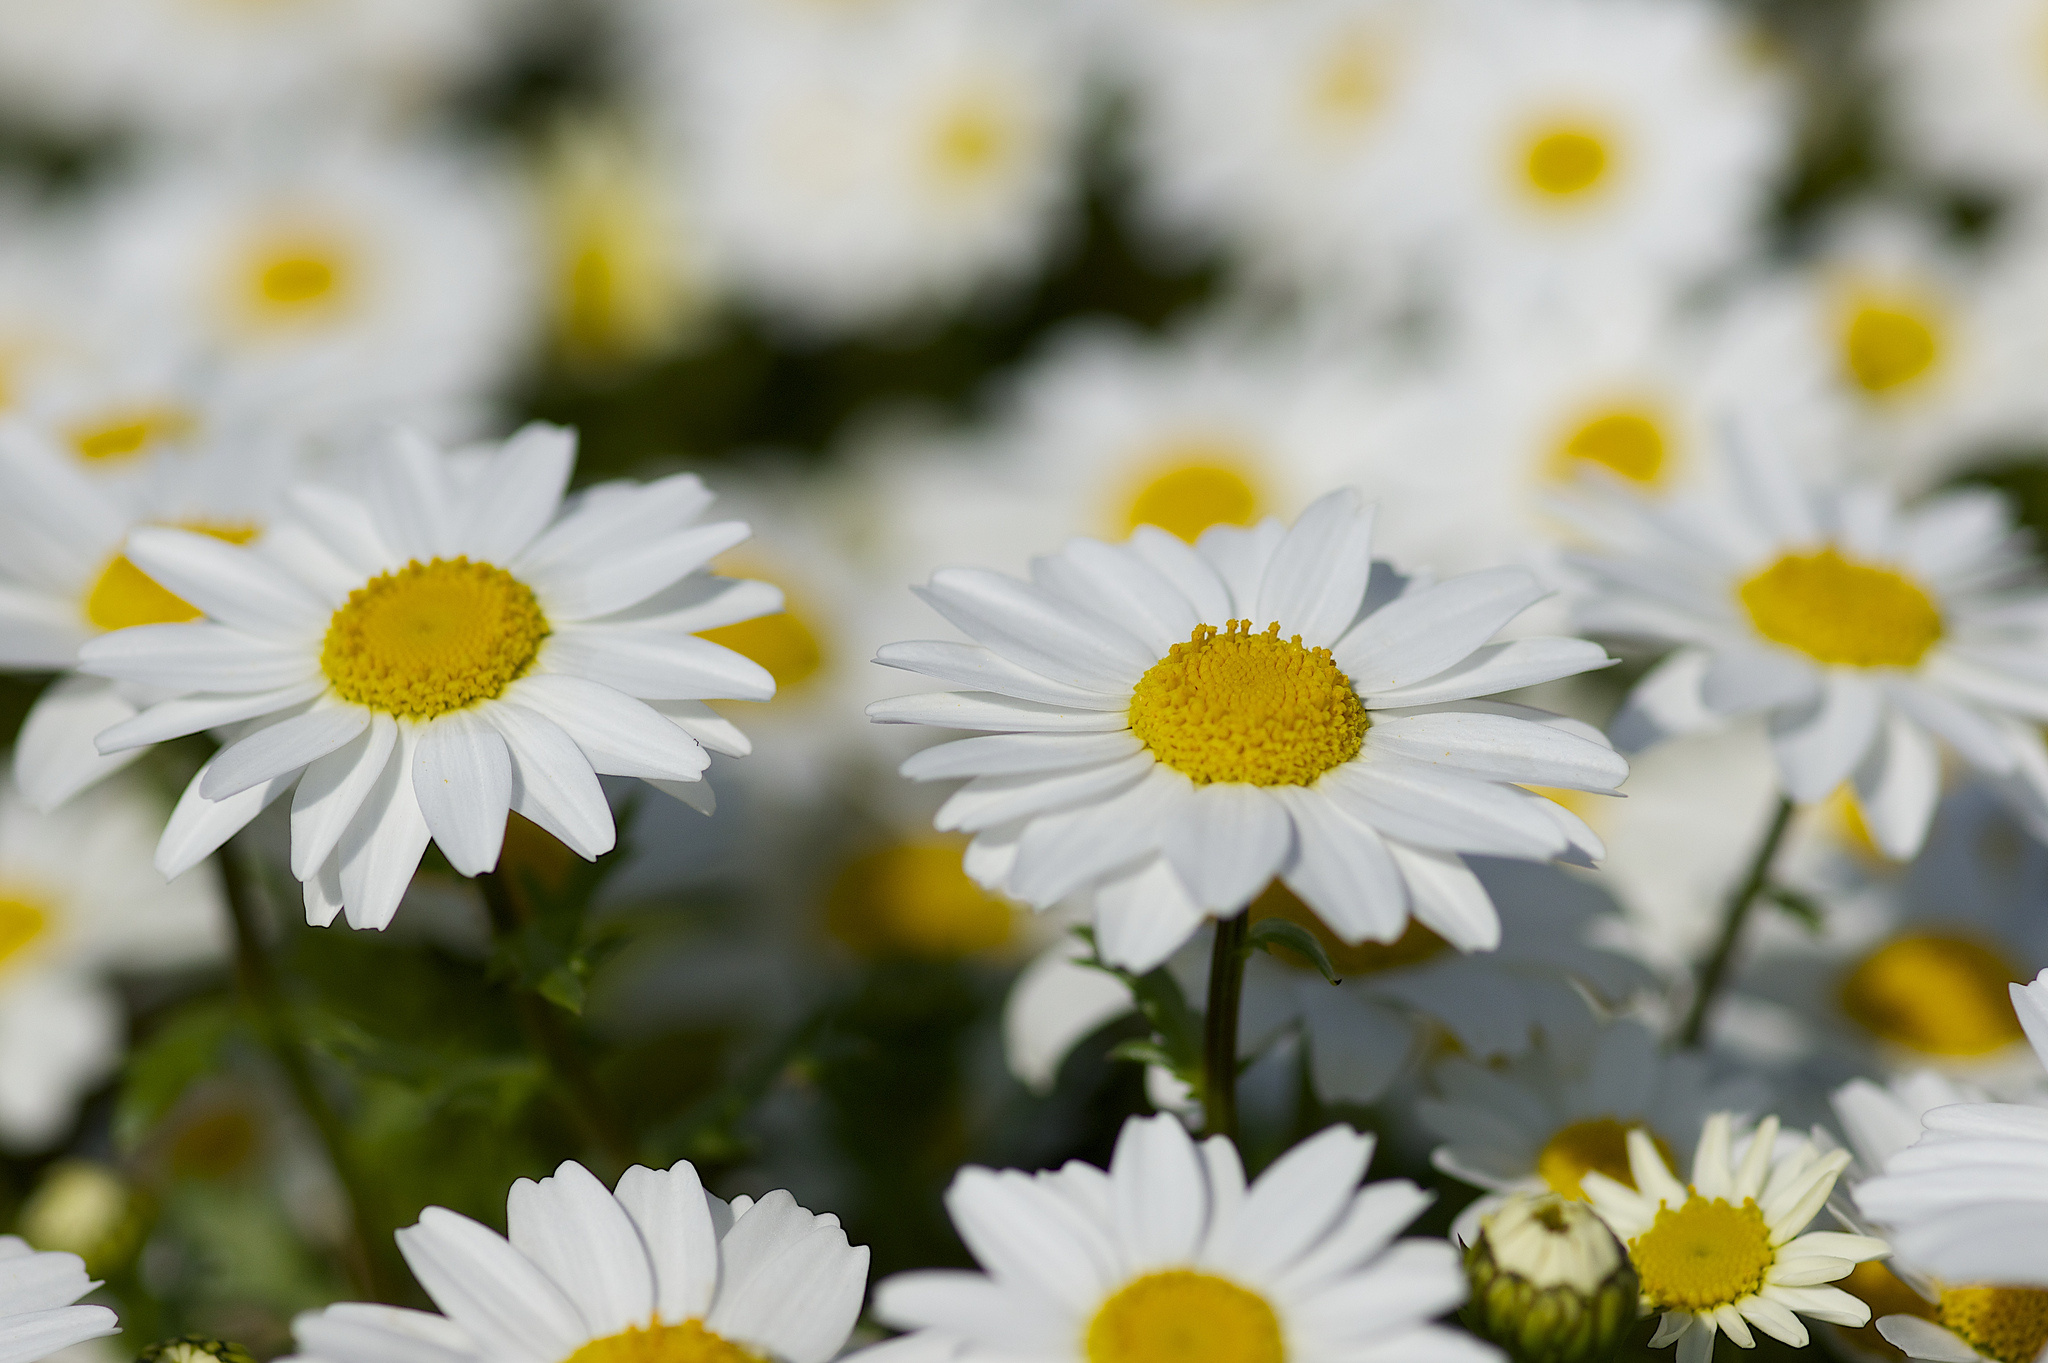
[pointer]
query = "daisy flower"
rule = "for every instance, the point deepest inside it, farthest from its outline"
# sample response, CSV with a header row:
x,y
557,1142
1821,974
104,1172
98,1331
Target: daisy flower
x,y
1730,1249
40,1315
1963,93
1861,632
455,642
81,905
1169,1252
1172,726
658,1269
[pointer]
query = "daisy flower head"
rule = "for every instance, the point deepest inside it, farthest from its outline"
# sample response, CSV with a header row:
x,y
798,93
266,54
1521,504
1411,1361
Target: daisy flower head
x,y
41,1315
657,1269
1730,1249
1171,726
456,641
1169,1255
1859,630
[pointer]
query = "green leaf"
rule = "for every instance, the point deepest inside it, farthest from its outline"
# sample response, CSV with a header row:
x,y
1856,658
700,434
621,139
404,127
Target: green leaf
x,y
1801,907
1142,1051
563,986
1278,934
183,1051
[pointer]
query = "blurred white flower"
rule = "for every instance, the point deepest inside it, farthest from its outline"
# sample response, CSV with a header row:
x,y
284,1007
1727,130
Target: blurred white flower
x,y
40,1317
1962,88
79,901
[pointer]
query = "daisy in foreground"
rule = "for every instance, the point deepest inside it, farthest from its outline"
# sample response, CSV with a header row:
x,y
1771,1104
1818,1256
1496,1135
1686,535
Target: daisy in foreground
x,y
1172,726
37,1292
457,642
1861,632
1726,1251
1170,1256
659,1270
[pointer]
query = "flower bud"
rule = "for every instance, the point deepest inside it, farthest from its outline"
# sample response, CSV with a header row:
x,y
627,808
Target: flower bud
x,y
87,1209
1550,1283
194,1349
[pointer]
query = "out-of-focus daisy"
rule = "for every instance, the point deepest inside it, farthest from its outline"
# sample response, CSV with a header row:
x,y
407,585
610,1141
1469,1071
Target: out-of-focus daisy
x,y
1729,1249
860,166
1599,143
456,643
1963,90
1169,1252
1862,632
42,1315
1174,766
78,901
658,1269
1543,1121
385,282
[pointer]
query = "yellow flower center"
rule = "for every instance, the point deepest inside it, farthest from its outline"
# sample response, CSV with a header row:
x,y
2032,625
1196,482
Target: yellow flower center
x,y
123,595
1628,441
1415,945
1180,1316
970,142
22,920
1938,993
2009,1324
1703,1254
620,290
1889,343
1193,485
1566,163
689,1342
294,278
914,900
1598,1144
432,637
1841,612
1351,82
1231,705
123,434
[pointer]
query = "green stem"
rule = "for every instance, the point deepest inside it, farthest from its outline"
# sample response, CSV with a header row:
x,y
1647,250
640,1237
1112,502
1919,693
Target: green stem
x,y
370,1262
1715,971
1219,1025
577,1089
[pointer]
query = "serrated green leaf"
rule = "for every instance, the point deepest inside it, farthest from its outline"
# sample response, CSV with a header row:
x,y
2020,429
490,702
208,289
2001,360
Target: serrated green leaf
x,y
1279,934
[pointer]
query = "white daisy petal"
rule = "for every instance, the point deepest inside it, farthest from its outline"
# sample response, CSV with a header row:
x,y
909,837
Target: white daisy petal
x,y
1317,576
35,1335
1297,1201
553,783
333,789
620,736
199,827
615,513
1739,680
1502,748
384,842
1426,632
190,714
1061,852
198,657
286,746
1498,667
577,1233
655,667
521,489
1419,805
229,583
668,1209
1117,582
1918,1338
1444,894
409,500
1036,630
1227,844
321,894
1012,754
617,581
54,753
498,1297
1144,916
987,801
1160,1192
1342,869
462,777
371,1330
1176,560
985,670
1897,784
1817,747
1055,1003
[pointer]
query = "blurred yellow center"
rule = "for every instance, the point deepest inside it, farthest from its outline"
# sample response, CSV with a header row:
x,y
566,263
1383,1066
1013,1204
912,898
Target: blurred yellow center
x,y
119,435
1838,611
689,1342
291,278
1231,705
1566,163
1596,1145
1415,945
1887,345
970,142
1196,484
123,595
1938,993
1703,1254
432,637
1180,1316
22,920
1626,441
2009,1324
915,900
1351,82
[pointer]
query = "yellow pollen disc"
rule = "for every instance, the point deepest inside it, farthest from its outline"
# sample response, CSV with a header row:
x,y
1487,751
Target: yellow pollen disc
x,y
1415,945
1180,1316
1889,344
1703,1254
22,920
689,1342
914,900
1628,441
1596,1145
970,142
432,637
1351,83
120,435
1566,163
1938,993
1838,611
123,595
2009,1324
1190,486
1230,705
293,278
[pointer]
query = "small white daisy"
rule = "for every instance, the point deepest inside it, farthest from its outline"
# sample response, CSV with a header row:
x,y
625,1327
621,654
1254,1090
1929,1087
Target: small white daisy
x,y
1730,1249
1169,1252
661,1269
1172,726
38,1311
1860,631
456,642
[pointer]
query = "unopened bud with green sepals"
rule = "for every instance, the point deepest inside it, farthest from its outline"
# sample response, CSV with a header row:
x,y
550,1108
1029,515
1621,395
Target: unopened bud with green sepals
x,y
194,1349
1550,1283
